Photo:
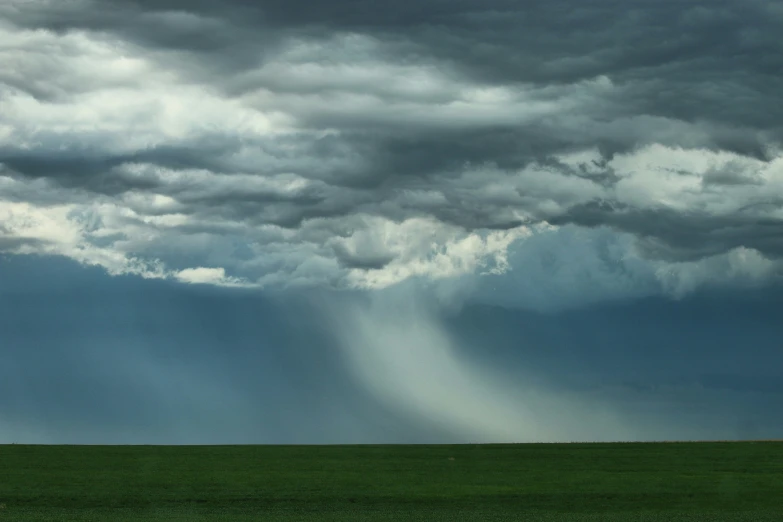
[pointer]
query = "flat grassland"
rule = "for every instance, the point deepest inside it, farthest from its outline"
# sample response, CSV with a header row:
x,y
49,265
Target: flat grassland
x,y
584,482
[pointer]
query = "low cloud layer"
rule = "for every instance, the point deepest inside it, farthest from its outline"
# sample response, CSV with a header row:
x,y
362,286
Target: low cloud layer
x,y
354,147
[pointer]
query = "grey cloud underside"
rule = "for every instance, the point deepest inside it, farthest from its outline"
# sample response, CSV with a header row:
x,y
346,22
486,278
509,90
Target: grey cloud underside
x,y
610,75
716,44
13,243
663,235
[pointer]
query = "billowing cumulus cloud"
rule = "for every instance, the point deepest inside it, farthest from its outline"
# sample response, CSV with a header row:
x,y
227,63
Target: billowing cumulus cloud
x,y
358,146
542,156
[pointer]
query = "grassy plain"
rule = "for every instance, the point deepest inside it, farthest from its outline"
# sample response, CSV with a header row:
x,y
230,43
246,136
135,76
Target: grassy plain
x,y
537,482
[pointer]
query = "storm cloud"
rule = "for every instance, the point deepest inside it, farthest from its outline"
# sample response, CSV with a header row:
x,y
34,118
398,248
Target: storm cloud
x,y
279,134
537,158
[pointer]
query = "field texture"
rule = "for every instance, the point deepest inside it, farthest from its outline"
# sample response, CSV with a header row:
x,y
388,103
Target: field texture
x,y
546,482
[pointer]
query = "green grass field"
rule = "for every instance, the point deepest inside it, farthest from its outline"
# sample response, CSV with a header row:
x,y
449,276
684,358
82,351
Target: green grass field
x,y
586,482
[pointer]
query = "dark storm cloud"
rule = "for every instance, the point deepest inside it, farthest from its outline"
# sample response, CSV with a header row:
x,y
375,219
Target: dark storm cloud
x,y
365,260
11,244
670,53
666,235
723,54
94,168
409,109
409,146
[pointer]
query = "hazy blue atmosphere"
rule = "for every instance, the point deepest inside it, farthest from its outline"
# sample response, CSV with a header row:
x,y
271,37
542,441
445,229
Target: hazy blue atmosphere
x,y
401,222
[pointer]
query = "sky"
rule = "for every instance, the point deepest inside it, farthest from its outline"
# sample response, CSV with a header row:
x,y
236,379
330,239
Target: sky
x,y
390,222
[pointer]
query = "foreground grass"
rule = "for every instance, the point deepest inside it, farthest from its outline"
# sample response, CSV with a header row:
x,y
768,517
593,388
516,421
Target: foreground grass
x,y
585,482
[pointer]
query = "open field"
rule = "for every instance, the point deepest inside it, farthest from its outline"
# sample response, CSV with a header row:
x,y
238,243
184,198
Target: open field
x,y
585,482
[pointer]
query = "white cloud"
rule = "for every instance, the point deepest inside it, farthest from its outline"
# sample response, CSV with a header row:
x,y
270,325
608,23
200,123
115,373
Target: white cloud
x,y
679,178
557,268
427,248
212,276
265,211
79,89
57,230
